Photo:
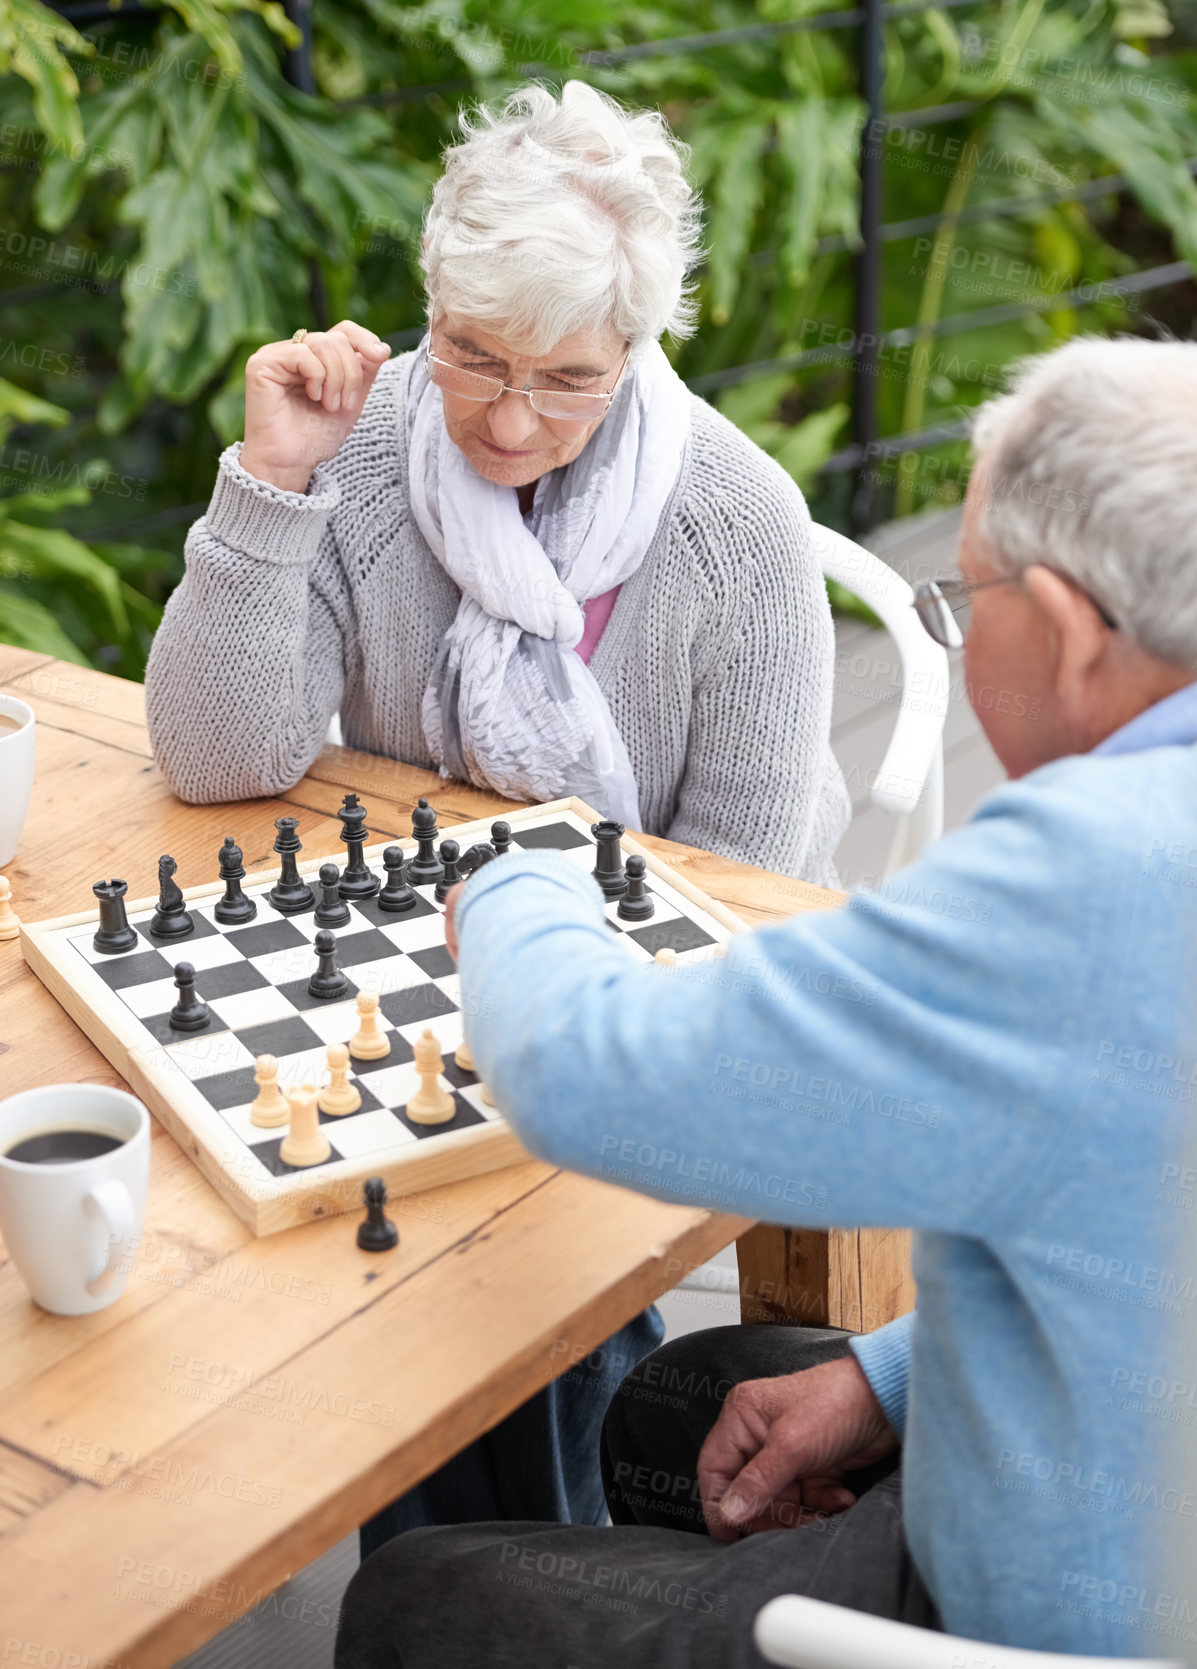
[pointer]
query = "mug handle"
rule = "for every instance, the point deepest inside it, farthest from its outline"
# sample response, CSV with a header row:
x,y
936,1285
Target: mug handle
x,y
111,1201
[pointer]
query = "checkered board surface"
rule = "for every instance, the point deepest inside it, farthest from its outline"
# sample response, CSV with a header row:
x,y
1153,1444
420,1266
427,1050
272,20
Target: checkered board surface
x,y
254,981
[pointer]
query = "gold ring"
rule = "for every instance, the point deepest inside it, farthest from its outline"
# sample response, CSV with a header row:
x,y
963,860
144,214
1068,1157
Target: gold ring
x,y
299,334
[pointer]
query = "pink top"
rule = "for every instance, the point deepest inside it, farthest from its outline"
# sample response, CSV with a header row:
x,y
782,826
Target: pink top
x,y
597,611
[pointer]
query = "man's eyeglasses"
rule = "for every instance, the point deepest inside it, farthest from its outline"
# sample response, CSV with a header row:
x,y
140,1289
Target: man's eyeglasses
x,y
565,405
945,607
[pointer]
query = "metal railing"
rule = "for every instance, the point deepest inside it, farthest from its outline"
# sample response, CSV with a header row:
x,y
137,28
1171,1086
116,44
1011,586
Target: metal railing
x,y
867,341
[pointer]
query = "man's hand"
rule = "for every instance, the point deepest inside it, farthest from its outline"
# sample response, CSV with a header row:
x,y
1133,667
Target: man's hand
x,y
777,1454
452,900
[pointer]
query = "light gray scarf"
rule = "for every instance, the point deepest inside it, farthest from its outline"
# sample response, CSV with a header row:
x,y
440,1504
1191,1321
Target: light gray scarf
x,y
509,702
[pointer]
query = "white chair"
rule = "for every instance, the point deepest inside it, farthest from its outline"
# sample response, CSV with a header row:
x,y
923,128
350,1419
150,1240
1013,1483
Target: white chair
x,y
802,1633
910,780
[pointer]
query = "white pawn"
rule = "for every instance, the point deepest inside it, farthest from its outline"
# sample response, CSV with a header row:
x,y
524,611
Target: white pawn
x,y
269,1107
666,956
369,1043
432,1103
305,1143
10,926
464,1057
338,1096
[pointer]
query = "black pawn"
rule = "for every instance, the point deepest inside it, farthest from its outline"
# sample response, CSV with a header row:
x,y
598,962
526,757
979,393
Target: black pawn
x,y
637,903
450,852
425,867
608,868
170,920
328,980
289,894
332,910
500,837
234,907
377,1233
190,1013
114,934
357,881
396,896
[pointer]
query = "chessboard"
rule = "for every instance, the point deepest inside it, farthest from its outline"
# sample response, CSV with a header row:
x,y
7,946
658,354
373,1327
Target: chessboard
x,y
254,980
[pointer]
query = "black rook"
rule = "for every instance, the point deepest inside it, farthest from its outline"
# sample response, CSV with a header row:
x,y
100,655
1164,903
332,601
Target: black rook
x,y
114,934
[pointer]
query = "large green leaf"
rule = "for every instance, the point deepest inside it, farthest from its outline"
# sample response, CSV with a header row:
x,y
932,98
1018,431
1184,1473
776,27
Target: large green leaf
x,y
734,201
36,552
30,625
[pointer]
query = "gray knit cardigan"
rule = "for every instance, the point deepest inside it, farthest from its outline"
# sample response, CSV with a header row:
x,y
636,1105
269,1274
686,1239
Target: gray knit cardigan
x,y
716,661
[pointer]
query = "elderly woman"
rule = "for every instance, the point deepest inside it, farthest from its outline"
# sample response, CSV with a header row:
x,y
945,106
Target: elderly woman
x,y
524,553
527,555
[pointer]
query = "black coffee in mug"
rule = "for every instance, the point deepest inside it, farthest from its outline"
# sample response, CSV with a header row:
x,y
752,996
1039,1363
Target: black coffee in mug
x,y
63,1147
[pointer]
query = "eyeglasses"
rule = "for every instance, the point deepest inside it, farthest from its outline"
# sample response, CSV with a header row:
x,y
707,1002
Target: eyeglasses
x,y
945,607
565,405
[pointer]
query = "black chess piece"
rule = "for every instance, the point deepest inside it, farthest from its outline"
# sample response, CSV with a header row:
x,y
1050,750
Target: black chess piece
x,y
425,867
500,837
474,858
332,910
289,894
608,868
450,852
170,920
637,903
114,934
328,981
397,895
190,1013
377,1233
357,881
234,908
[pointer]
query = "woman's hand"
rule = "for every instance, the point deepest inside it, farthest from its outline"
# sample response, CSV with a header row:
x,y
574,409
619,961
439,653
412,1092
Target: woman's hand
x,y
303,398
776,1455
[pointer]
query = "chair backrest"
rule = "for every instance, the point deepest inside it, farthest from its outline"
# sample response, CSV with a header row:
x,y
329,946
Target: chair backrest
x,y
910,780
802,1633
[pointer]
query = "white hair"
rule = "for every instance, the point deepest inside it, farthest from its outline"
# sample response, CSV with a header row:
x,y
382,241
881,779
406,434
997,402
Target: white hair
x,y
554,216
1092,465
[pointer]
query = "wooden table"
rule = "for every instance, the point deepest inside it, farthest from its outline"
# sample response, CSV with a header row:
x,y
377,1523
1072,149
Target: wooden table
x,y
167,1462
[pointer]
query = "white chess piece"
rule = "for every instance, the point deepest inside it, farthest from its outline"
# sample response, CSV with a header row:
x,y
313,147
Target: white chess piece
x,y
270,1106
432,1103
305,1143
666,956
464,1057
10,926
369,1043
338,1096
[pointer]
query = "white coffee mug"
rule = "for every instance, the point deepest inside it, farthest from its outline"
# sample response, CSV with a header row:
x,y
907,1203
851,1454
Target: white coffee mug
x,y
70,1228
16,774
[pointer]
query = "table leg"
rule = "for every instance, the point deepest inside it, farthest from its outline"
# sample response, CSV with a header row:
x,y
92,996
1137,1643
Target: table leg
x,y
854,1278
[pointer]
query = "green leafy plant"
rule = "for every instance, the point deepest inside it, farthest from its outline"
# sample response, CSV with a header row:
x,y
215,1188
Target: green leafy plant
x,y
176,202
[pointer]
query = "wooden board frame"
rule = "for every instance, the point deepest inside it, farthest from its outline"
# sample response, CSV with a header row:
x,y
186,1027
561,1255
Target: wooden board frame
x,y
269,1204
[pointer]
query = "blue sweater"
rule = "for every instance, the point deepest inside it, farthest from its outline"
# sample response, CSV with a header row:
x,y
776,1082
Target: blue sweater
x,y
997,1049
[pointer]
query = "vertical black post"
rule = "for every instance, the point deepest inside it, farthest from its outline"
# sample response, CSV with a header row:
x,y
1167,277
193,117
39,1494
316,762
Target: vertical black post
x,y
868,263
299,58
299,73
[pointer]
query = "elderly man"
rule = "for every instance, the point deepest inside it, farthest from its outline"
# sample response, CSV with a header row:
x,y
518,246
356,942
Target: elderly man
x,y
1007,1077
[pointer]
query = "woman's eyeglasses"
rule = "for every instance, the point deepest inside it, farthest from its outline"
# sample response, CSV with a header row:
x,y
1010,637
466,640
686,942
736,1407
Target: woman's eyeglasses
x,y
945,607
563,404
